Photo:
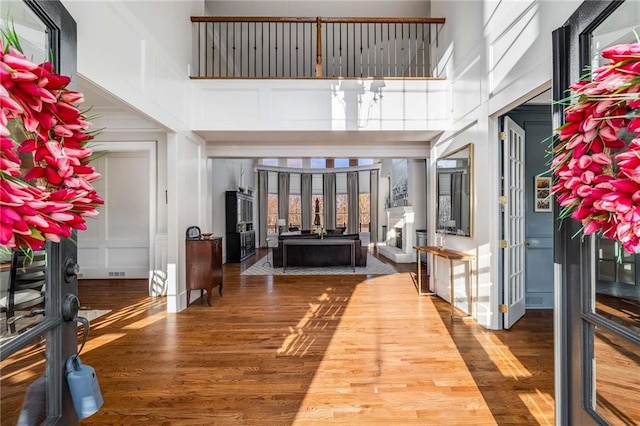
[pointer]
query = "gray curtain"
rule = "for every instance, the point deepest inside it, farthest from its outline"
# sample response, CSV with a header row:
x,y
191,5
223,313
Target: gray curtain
x,y
353,197
305,200
283,197
373,209
329,196
263,209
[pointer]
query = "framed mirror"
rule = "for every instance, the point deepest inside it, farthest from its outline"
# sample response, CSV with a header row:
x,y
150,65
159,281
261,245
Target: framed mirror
x,y
454,173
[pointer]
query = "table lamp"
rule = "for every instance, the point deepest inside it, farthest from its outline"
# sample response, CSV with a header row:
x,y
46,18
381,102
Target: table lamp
x,y
280,223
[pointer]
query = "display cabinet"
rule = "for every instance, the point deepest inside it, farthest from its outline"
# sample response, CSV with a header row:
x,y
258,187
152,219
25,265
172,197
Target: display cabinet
x,y
240,236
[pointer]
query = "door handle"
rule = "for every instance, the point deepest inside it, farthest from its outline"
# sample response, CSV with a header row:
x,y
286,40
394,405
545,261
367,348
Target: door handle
x,y
526,244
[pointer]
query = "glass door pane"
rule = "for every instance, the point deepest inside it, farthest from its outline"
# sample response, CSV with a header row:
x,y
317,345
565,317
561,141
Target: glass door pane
x,y
611,312
617,378
47,33
23,386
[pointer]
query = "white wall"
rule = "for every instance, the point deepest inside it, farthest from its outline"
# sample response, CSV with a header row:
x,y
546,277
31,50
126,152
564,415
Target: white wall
x,y
138,51
491,64
318,105
116,243
123,133
225,176
187,190
417,188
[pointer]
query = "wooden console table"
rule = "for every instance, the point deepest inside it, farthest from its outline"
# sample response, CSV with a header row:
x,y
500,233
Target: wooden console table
x,y
318,242
451,255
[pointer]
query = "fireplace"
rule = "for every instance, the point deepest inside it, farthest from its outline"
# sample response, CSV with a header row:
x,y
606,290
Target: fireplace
x,y
398,237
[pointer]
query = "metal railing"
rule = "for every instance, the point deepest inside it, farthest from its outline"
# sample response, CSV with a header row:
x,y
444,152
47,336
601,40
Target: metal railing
x,y
270,47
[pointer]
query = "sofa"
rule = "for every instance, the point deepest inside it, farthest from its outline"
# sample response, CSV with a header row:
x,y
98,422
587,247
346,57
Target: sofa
x,y
314,255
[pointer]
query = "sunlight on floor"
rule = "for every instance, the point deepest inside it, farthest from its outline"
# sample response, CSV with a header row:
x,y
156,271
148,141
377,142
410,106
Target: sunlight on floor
x,y
298,342
23,375
105,339
539,404
146,321
366,368
502,357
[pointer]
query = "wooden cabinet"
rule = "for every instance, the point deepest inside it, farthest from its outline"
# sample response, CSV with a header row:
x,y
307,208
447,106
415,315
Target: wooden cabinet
x,y
204,266
240,235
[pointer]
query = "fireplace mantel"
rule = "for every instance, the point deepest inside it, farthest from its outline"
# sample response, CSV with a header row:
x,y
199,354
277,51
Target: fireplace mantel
x,y
400,210
399,217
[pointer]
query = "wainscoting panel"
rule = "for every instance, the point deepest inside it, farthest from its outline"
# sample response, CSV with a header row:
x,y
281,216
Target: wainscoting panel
x,y
116,243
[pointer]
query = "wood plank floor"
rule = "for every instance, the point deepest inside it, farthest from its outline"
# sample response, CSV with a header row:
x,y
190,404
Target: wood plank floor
x,y
310,350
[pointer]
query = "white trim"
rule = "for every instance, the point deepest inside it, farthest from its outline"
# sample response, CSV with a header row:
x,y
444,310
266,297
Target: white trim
x,y
495,270
392,150
151,147
258,167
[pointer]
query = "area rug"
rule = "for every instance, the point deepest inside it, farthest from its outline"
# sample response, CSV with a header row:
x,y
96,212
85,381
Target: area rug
x,y
374,267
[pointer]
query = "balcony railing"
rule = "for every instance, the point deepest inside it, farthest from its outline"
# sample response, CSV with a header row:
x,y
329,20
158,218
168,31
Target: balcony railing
x,y
269,47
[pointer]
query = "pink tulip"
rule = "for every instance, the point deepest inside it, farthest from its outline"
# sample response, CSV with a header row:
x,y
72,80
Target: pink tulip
x,y
580,150
601,158
567,130
625,186
585,161
590,227
62,131
633,215
71,97
581,213
621,52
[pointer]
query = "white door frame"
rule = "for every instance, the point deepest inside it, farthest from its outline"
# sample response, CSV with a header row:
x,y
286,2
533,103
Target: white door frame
x,y
151,148
495,113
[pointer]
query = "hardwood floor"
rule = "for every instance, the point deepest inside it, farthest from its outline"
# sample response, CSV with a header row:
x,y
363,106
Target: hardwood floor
x,y
310,350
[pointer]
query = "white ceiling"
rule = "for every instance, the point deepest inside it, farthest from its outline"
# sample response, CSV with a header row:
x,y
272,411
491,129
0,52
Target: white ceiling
x,y
297,138
543,98
97,97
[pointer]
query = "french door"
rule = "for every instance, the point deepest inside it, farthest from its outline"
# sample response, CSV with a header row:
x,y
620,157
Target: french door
x,y
596,332
514,222
33,357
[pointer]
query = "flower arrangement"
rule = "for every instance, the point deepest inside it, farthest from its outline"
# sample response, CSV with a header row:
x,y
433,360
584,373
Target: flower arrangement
x,y
596,166
45,176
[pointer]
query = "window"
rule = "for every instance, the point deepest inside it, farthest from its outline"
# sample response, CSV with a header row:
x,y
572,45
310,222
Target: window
x,y
318,163
364,200
272,213
342,209
294,162
270,161
341,162
365,161
272,202
342,200
318,210
364,208
317,184
295,216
